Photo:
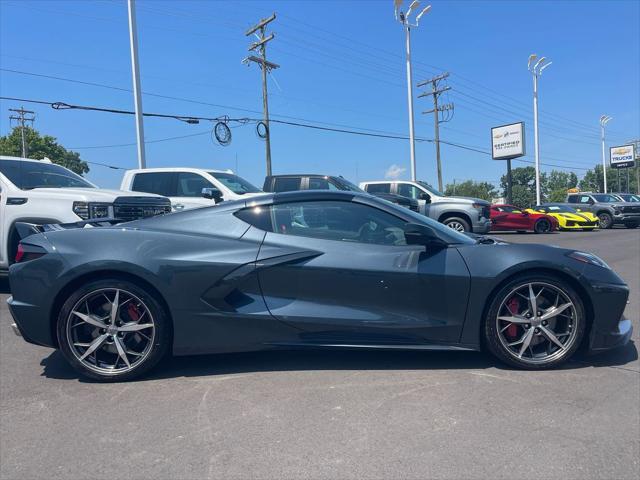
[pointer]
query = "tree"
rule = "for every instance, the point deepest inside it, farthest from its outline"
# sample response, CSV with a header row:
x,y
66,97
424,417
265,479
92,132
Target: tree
x,y
470,188
524,186
558,183
39,146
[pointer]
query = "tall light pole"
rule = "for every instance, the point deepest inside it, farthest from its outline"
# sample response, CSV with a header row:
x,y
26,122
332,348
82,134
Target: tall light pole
x,y
403,18
137,92
604,119
536,69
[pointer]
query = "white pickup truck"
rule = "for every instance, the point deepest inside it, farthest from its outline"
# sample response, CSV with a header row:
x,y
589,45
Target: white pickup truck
x,y
189,187
38,191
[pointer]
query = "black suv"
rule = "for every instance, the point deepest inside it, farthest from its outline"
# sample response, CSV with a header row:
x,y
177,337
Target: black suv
x,y
288,183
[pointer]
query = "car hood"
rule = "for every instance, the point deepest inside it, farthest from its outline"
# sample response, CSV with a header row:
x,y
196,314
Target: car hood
x,y
89,194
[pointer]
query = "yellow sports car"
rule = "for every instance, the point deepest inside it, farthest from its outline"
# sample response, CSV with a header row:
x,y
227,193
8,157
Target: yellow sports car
x,y
568,218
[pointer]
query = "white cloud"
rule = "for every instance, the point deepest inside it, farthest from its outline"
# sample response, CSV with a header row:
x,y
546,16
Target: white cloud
x,y
394,172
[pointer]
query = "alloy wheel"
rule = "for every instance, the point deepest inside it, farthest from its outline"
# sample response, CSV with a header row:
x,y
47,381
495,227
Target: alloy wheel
x,y
537,322
457,226
543,226
110,331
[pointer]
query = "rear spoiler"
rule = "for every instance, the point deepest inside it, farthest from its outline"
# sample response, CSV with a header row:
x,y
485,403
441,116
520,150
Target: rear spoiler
x,y
26,229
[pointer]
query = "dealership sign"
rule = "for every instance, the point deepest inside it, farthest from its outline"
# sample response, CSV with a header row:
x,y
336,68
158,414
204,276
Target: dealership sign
x,y
507,141
622,157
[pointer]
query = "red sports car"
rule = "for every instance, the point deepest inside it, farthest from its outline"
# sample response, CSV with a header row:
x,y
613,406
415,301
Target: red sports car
x,y
508,217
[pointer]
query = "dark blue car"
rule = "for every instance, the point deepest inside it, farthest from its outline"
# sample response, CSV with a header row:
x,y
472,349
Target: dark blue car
x,y
312,269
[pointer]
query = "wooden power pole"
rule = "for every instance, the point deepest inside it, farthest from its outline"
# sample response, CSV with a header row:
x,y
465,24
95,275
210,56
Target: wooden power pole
x,y
261,46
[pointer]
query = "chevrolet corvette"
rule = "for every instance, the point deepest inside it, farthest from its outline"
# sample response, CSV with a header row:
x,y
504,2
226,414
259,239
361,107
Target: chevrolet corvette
x,y
303,269
568,218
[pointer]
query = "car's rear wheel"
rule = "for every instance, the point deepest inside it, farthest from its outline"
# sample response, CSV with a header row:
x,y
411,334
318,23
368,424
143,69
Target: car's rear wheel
x,y
605,220
535,322
542,226
113,330
457,224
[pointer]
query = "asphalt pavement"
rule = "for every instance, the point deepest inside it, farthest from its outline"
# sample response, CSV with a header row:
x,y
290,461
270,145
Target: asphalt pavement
x,y
322,414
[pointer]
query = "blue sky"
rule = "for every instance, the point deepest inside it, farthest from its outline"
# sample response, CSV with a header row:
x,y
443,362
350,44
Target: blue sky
x,y
342,65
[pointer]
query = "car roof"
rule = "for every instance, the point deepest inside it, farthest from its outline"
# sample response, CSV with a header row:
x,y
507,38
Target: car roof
x,y
304,175
22,159
178,169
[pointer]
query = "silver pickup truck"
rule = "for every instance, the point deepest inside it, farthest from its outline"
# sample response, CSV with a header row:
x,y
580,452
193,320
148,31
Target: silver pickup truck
x,y
609,209
463,214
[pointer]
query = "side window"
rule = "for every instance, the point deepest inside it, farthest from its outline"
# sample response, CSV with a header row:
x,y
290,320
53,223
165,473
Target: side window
x,y
286,184
160,183
328,220
321,184
191,184
573,199
410,191
378,188
584,199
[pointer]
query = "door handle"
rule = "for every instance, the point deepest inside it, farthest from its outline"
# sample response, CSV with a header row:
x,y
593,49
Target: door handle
x,y
178,206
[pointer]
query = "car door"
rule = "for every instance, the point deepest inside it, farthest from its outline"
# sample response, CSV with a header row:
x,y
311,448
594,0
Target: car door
x,y
341,272
412,191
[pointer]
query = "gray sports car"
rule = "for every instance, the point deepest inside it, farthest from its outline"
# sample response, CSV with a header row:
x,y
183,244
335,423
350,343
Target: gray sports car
x,y
304,269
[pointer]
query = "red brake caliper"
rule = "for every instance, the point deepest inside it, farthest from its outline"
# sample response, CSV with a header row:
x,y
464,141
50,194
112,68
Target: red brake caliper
x,y
513,305
133,312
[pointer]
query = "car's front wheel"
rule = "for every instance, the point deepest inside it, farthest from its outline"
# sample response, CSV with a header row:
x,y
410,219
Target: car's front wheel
x,y
457,224
113,330
542,226
535,322
605,220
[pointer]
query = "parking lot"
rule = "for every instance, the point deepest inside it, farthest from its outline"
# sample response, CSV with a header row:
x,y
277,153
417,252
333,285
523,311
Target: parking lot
x,y
320,414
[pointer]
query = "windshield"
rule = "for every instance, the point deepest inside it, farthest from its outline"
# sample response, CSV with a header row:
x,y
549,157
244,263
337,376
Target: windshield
x,y
27,175
556,209
347,185
627,197
430,189
236,184
605,198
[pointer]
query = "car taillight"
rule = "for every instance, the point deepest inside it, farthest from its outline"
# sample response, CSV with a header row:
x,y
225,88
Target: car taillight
x,y
28,252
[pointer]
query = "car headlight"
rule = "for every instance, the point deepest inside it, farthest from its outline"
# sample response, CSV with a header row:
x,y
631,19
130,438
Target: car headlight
x,y
81,209
92,210
585,257
100,210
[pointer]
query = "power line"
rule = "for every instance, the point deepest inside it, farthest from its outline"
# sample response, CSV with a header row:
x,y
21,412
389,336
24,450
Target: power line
x,y
309,125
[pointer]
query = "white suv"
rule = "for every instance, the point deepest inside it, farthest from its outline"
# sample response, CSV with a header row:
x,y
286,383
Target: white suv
x,y
38,191
189,187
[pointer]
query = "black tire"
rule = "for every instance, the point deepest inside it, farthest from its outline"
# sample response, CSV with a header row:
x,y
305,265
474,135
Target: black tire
x,y
631,225
458,224
158,349
542,226
605,220
490,329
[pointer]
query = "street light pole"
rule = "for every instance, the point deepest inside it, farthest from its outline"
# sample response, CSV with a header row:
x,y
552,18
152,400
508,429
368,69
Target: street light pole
x,y
536,70
604,119
403,18
137,91
412,140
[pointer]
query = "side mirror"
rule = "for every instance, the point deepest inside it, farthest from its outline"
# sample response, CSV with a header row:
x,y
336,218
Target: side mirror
x,y
417,234
591,201
425,196
212,193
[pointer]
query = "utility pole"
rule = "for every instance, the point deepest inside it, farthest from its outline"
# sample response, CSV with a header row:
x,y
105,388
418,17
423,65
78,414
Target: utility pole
x,y
604,119
23,116
403,18
137,91
435,92
261,46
